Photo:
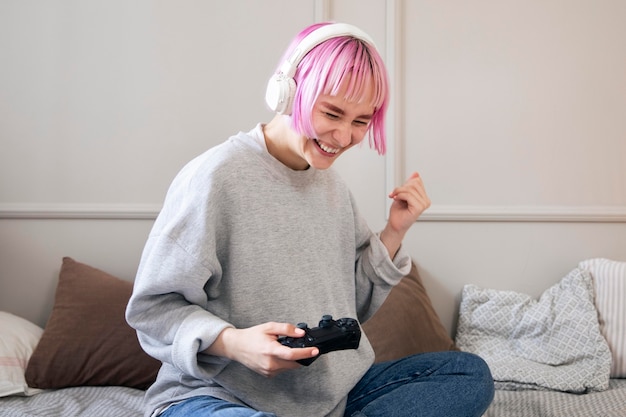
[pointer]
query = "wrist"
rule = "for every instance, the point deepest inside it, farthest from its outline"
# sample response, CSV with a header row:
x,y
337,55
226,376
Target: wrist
x,y
223,344
392,239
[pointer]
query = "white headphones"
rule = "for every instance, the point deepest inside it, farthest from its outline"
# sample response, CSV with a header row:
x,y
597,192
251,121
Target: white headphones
x,y
282,87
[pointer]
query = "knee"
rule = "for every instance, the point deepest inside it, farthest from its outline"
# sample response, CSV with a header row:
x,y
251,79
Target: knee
x,y
480,380
476,366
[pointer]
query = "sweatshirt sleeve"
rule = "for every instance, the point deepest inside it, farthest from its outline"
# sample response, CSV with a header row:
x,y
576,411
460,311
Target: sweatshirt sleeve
x,y
168,308
376,272
177,279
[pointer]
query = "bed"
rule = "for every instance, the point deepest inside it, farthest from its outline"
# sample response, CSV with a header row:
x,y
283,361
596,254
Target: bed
x,y
86,361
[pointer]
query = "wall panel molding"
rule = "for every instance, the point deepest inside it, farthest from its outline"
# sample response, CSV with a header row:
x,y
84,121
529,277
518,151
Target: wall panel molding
x,y
396,144
322,10
577,214
436,213
80,211
394,158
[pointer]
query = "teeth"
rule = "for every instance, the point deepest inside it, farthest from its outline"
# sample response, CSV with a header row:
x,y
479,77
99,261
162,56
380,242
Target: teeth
x,y
326,148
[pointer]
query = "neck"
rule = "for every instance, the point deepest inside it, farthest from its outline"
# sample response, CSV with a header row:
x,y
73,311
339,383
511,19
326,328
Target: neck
x,y
283,142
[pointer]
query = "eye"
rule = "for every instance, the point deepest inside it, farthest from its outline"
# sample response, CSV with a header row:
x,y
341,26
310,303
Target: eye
x,y
361,122
331,115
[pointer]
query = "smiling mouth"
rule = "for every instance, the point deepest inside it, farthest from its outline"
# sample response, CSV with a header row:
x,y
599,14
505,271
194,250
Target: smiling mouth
x,y
326,149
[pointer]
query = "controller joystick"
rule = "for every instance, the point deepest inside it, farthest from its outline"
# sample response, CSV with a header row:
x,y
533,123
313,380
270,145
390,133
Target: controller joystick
x,y
329,336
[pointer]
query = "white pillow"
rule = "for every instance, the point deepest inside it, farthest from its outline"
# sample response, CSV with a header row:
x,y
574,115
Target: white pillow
x,y
553,342
18,339
609,280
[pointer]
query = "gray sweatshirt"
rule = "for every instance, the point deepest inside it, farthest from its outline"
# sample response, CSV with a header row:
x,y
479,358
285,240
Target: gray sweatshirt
x,y
243,240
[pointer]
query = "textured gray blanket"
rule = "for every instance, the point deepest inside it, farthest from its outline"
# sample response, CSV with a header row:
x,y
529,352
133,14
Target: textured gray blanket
x,y
76,402
609,403
553,343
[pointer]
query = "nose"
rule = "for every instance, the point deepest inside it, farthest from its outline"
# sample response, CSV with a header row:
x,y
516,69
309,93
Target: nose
x,y
343,134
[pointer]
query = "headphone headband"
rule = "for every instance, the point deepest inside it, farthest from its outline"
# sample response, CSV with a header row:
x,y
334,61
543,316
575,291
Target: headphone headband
x,y
319,35
282,87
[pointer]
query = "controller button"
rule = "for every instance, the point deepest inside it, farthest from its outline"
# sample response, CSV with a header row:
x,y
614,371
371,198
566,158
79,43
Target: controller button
x,y
327,321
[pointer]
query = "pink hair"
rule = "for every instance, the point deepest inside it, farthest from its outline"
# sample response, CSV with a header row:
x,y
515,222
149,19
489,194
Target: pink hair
x,y
323,70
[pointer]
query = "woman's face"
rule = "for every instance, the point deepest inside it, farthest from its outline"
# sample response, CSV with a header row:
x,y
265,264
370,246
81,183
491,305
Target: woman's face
x,y
339,125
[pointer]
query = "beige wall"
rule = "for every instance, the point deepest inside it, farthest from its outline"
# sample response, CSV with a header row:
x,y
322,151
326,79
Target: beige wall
x,y
513,112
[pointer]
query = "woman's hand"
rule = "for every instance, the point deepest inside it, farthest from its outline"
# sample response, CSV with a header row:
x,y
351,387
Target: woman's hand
x,y
258,348
409,202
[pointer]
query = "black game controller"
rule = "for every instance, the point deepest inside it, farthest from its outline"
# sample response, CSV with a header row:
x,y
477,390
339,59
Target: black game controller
x,y
331,335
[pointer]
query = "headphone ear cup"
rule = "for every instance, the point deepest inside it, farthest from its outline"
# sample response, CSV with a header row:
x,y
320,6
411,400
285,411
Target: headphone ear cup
x,y
280,92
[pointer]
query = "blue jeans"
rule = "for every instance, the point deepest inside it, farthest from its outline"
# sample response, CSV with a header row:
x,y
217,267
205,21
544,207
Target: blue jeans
x,y
438,384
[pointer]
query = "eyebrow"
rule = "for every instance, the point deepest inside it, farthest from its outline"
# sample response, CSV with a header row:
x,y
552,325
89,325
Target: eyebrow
x,y
336,109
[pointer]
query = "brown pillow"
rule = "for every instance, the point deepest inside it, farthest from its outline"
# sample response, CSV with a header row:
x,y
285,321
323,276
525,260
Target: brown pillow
x,y
87,340
407,323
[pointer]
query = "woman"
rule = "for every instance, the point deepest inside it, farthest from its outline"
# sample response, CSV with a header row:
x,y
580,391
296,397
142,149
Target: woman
x,y
259,233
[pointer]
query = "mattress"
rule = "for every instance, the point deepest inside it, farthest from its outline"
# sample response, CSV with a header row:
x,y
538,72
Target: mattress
x,y
76,402
530,403
127,402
